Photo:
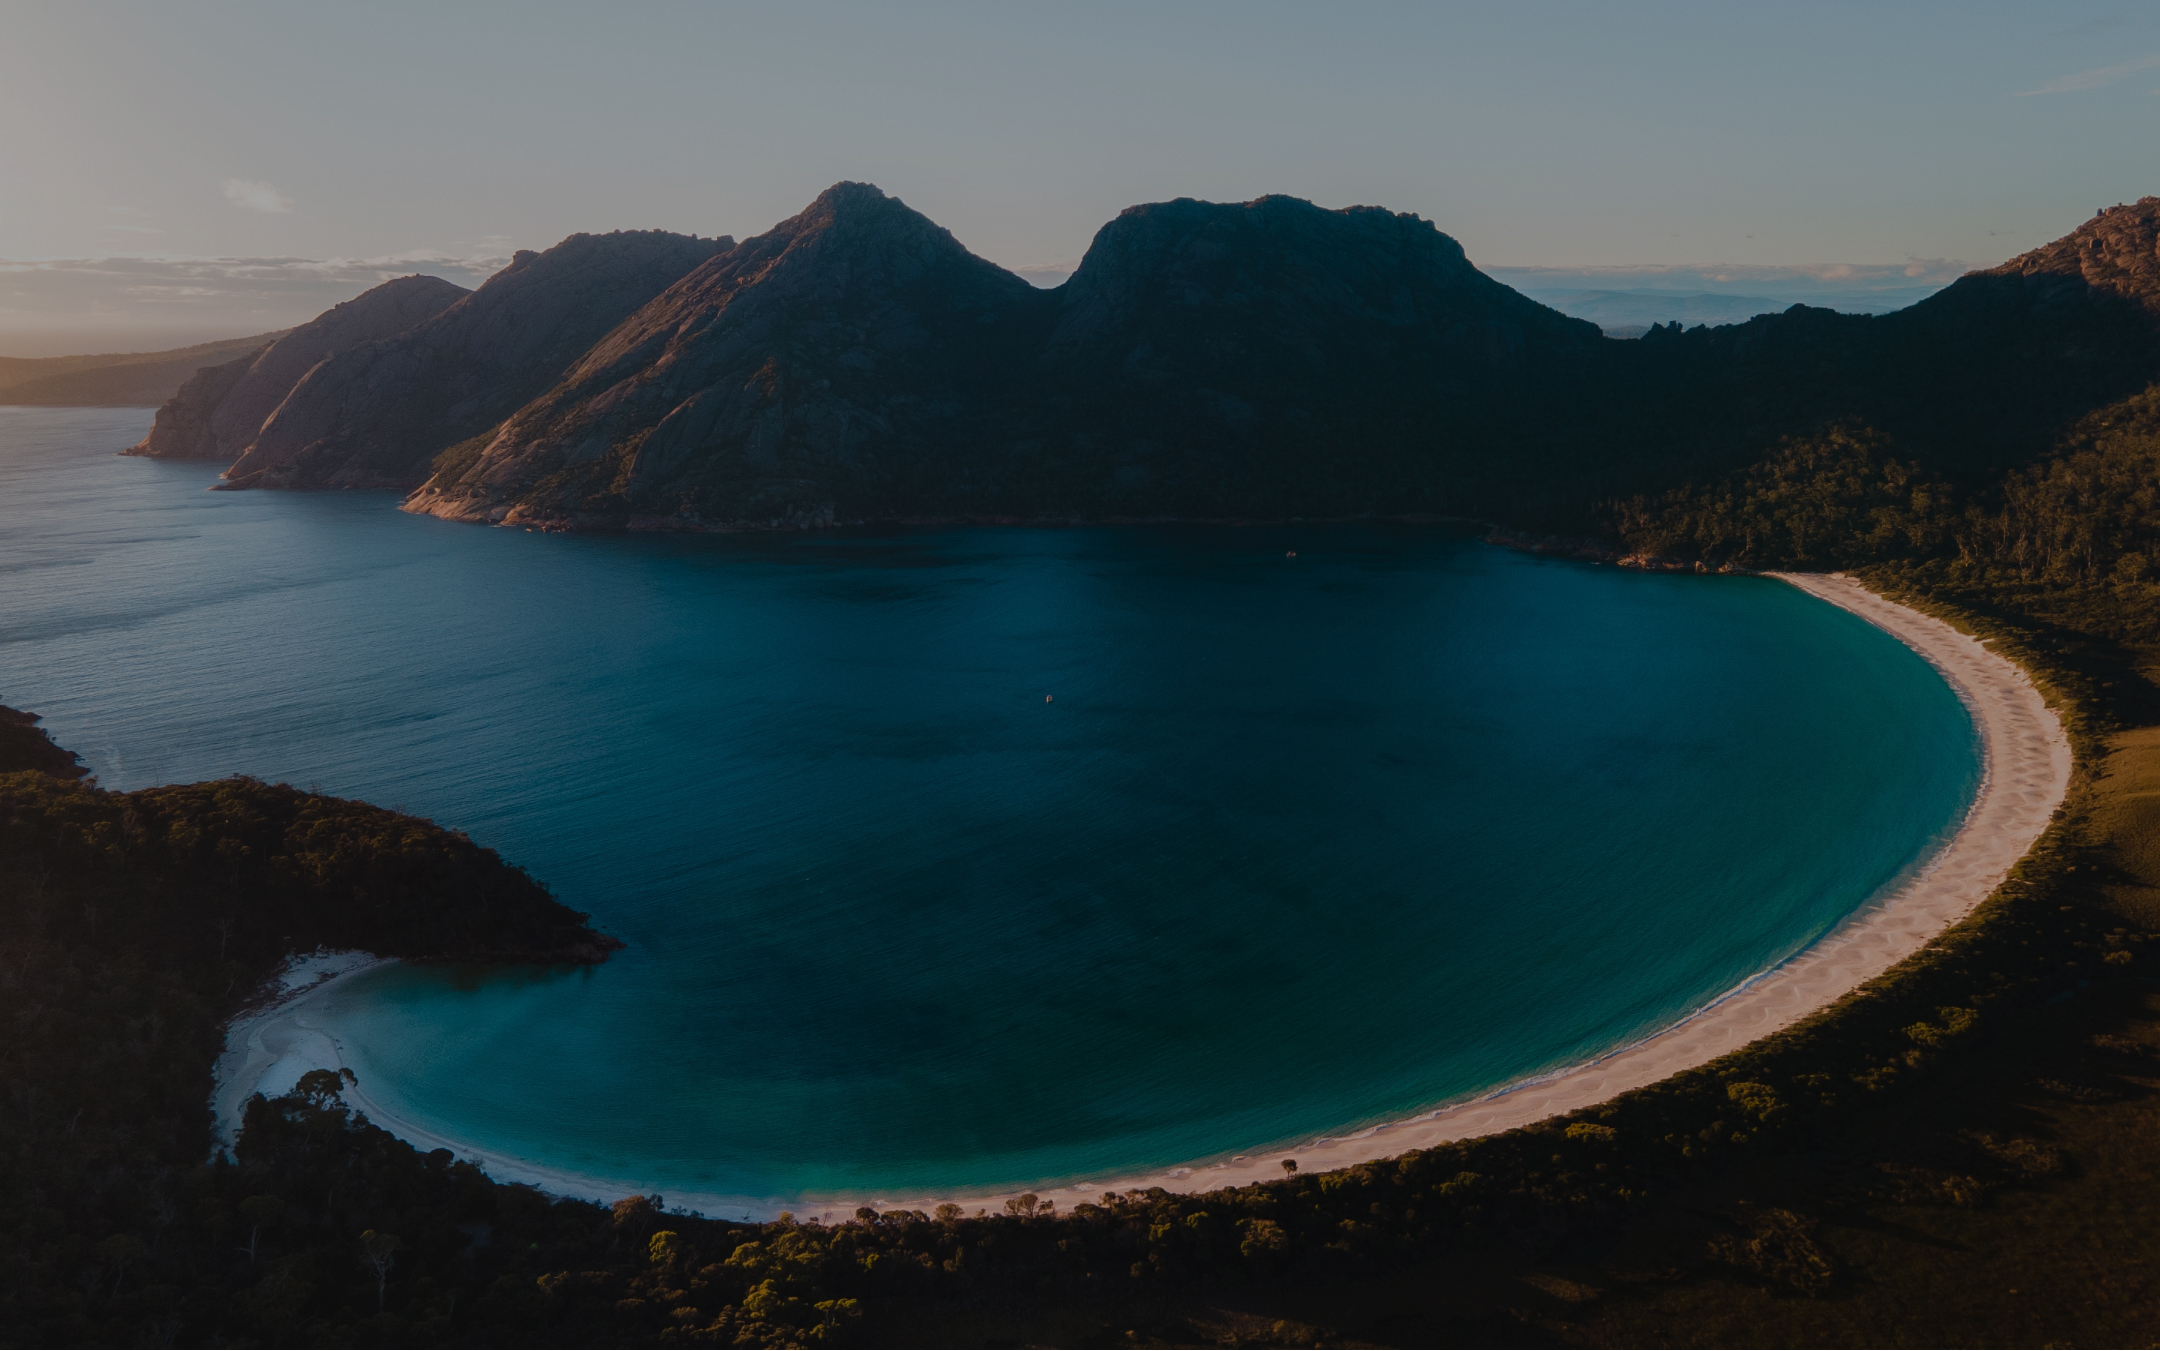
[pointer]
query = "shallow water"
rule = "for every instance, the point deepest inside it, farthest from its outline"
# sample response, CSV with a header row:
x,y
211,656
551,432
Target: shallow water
x,y
960,858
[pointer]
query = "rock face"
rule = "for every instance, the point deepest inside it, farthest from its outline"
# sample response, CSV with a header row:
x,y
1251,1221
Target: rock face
x,y
806,363
2117,252
1251,360
856,362
377,413
217,414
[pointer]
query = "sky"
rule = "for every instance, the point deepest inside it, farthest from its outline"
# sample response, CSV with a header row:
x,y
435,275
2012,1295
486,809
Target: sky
x,y
210,169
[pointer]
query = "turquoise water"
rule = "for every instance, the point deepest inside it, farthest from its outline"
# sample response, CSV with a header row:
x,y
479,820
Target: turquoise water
x,y
1291,845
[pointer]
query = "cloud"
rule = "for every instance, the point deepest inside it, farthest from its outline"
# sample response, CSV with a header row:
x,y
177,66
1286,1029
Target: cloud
x,y
211,295
1046,274
257,196
1725,293
2093,79
1798,280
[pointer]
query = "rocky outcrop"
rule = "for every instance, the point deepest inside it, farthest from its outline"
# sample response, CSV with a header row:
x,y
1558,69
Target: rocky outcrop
x,y
808,364
857,362
1254,360
218,414
377,414
2117,252
183,429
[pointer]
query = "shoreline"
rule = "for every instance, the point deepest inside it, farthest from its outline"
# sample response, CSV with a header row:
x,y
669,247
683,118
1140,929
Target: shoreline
x,y
2026,768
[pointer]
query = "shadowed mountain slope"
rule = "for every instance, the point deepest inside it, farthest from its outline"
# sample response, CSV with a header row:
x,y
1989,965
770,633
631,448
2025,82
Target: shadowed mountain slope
x,y
1976,380
814,363
217,414
857,362
375,414
1263,359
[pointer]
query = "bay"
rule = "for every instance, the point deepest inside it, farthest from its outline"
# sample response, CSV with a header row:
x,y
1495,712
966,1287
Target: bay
x,y
978,857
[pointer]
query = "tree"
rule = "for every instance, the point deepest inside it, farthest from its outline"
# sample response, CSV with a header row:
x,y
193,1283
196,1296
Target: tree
x,y
1289,1165
665,1249
379,1252
122,1250
261,1212
325,1088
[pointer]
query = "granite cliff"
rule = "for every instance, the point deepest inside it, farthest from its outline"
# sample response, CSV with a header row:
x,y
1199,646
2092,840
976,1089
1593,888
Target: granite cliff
x,y
857,362
218,413
1263,359
818,362
375,414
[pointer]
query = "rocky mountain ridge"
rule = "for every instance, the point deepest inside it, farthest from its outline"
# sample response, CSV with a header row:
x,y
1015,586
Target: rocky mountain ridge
x,y
1256,360
856,362
218,414
377,413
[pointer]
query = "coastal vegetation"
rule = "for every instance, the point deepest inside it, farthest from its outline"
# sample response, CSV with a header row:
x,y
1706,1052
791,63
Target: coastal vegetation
x,y
1971,1125
1961,1151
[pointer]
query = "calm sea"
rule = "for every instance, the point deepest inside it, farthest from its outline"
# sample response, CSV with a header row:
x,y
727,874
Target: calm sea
x,y
952,858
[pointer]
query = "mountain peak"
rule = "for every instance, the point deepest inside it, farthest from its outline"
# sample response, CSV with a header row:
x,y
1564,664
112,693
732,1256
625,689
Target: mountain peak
x,y
2117,250
848,195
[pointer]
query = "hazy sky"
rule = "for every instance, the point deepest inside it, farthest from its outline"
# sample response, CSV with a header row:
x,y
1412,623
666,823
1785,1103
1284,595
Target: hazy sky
x,y
1539,135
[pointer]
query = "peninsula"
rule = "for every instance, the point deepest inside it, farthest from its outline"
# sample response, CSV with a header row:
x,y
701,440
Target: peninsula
x,y
1962,1125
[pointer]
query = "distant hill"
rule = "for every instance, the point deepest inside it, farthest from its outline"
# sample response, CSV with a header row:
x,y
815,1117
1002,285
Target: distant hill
x,y
116,379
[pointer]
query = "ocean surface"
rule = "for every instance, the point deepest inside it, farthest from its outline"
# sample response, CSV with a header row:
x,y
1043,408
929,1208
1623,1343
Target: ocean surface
x,y
963,858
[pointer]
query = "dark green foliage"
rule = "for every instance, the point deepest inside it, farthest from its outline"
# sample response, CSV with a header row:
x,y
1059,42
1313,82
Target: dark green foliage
x,y
1835,500
131,927
25,745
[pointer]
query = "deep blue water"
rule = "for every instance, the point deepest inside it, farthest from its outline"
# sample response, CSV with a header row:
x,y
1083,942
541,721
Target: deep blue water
x,y
1295,843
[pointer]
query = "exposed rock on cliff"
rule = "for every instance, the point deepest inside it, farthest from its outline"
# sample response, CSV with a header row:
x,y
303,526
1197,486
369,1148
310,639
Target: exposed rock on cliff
x,y
815,362
1263,359
857,362
217,414
2117,252
376,414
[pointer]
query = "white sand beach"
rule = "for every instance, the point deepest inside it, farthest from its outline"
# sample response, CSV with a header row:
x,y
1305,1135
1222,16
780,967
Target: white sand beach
x,y
2027,773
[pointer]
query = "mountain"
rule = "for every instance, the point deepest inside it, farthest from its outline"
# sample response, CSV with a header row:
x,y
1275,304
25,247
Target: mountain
x,y
1255,360
816,359
374,414
1271,358
115,380
857,362
1977,379
217,414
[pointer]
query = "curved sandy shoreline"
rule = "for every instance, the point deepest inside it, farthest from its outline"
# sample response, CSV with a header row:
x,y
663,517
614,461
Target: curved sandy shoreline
x,y
2027,765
